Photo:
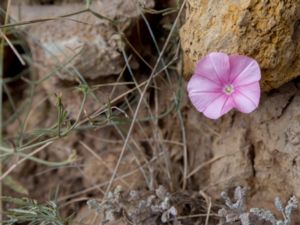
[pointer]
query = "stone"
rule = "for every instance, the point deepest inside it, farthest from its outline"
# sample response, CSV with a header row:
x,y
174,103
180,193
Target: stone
x,y
266,30
81,49
99,170
83,44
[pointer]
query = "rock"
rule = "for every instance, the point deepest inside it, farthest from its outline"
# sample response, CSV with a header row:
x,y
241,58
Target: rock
x,y
72,96
79,49
259,151
268,31
82,44
99,170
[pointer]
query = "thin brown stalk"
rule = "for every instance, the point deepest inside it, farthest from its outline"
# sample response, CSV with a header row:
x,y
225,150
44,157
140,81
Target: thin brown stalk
x,y
42,19
13,48
207,163
103,184
10,169
100,160
142,96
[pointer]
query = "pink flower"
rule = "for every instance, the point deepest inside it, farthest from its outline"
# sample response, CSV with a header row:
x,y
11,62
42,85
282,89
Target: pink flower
x,y
221,83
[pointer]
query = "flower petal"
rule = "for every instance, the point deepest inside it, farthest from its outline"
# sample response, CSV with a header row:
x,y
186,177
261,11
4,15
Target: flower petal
x,y
229,104
215,66
244,70
202,100
251,91
246,98
218,107
199,84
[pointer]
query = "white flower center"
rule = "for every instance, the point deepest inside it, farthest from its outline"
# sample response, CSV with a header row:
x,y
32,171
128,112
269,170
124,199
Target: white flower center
x,y
228,89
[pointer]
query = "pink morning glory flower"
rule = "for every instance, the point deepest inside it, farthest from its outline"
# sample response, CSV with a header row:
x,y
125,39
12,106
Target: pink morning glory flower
x,y
221,83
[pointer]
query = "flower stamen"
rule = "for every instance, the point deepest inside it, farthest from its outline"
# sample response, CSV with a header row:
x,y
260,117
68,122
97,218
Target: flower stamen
x,y
228,89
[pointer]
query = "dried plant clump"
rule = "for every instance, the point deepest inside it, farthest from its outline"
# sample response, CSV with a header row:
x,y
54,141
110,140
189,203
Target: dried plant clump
x,y
235,212
155,208
285,211
149,207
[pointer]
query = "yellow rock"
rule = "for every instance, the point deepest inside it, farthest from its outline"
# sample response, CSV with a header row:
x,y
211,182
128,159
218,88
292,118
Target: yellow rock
x,y
267,30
